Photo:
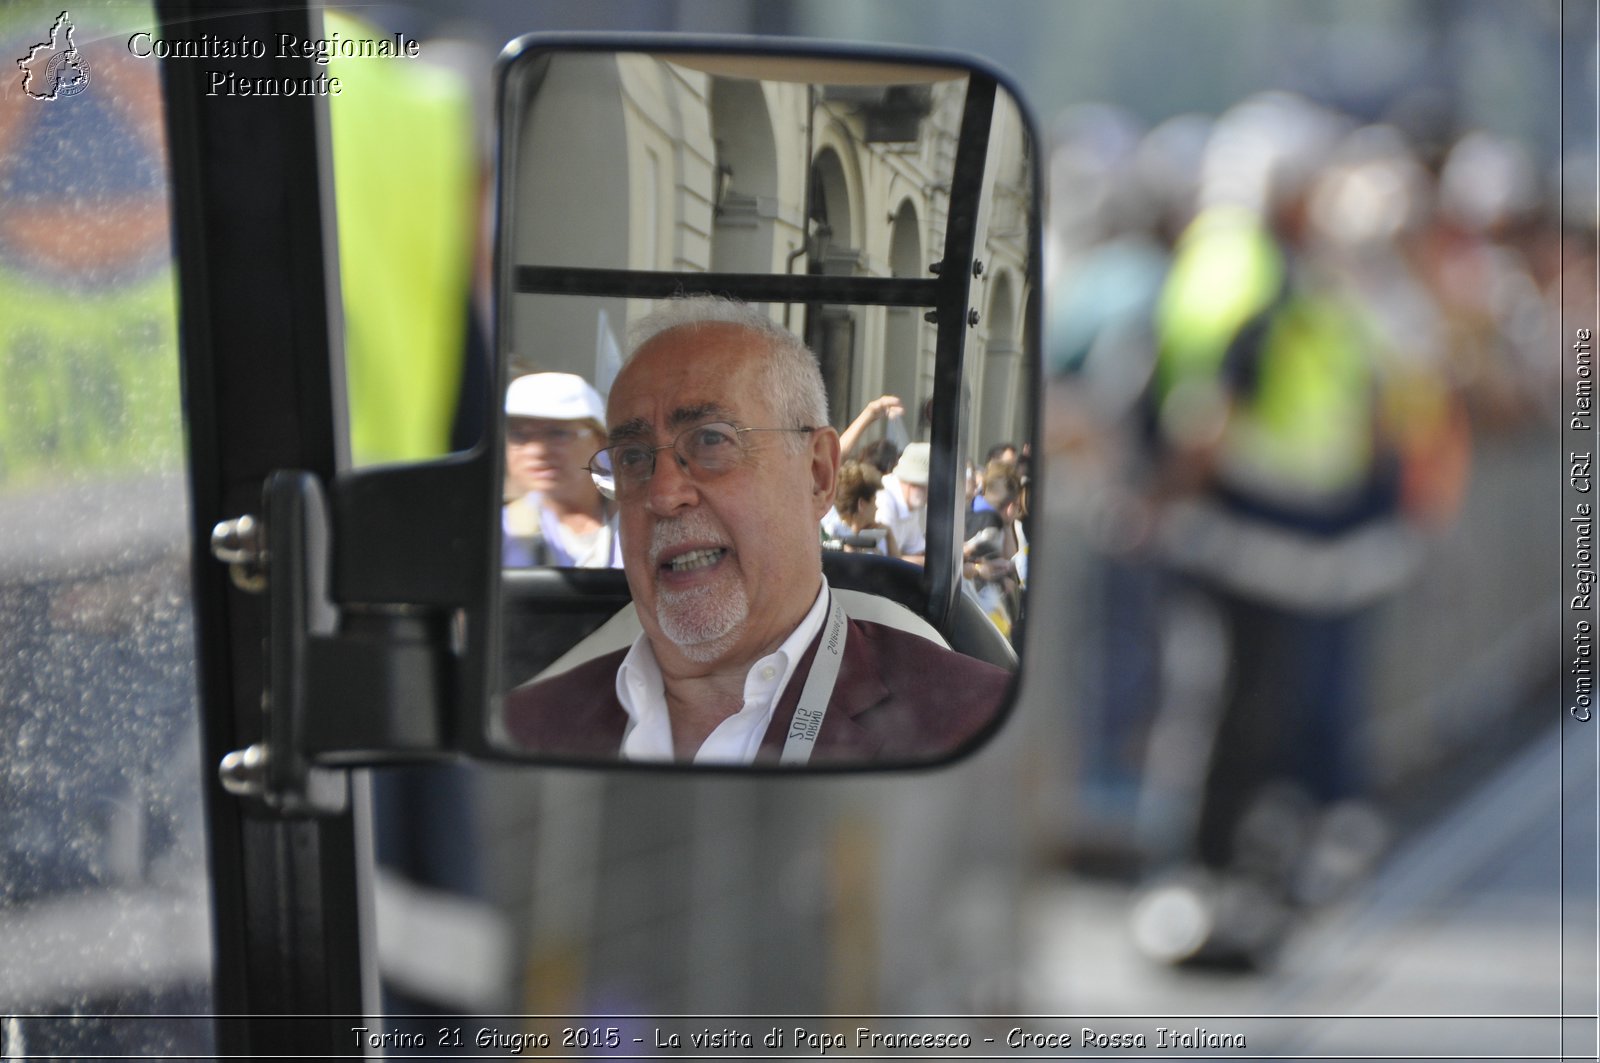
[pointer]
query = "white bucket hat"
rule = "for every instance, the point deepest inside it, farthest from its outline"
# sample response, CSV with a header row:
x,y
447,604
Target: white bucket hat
x,y
912,468
555,397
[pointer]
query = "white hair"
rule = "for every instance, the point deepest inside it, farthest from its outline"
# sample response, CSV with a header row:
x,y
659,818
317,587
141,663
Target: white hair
x,y
793,377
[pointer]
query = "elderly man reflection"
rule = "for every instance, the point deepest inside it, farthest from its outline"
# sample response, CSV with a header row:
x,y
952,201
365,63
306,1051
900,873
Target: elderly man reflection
x,y
555,514
724,464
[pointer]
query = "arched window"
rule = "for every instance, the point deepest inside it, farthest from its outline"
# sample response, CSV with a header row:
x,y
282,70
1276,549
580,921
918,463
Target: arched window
x,y
745,203
831,330
904,371
1002,367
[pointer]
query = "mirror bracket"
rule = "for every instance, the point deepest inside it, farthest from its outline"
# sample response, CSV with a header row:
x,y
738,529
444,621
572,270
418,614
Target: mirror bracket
x,y
355,683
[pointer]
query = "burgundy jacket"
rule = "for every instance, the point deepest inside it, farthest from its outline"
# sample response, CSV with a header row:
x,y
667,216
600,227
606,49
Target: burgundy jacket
x,y
899,697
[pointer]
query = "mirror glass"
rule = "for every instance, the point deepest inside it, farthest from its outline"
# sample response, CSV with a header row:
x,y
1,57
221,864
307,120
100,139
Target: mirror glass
x,y
774,536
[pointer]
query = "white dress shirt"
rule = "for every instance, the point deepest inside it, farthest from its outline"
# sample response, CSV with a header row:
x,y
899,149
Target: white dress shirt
x,y
737,739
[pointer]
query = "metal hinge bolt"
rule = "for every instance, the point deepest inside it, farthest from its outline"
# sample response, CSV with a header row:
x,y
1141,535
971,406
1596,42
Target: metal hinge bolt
x,y
240,544
243,772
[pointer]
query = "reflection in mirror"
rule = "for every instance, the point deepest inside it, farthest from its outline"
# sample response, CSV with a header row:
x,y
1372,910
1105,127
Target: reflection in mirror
x,y
555,512
763,529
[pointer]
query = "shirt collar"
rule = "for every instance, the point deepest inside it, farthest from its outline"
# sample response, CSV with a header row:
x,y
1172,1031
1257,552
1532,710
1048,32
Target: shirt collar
x,y
641,691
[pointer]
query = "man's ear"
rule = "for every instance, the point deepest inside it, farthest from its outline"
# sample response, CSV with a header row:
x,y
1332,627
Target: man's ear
x,y
824,468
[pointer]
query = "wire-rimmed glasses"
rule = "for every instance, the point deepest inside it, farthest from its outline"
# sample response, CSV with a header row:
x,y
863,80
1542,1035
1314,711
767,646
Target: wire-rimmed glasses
x,y
705,452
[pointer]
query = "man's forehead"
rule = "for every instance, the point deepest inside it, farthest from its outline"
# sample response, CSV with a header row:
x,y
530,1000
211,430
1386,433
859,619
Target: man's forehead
x,y
688,376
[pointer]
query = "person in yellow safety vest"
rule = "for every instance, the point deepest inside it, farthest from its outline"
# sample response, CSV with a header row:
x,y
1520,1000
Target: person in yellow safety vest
x,y
1266,395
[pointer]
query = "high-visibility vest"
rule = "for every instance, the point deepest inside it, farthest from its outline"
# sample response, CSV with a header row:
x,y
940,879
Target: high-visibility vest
x,y
1304,428
406,190
1225,270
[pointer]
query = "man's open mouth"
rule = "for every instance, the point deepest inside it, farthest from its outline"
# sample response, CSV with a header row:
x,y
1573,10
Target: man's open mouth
x,y
693,559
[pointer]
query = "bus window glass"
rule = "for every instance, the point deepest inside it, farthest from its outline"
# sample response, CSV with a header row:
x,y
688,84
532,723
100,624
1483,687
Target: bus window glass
x,y
103,896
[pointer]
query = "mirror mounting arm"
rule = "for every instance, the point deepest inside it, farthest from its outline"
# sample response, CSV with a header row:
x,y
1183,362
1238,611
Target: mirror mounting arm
x,y
358,682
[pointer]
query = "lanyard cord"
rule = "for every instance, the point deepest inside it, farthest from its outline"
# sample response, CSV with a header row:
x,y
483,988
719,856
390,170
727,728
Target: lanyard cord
x,y
818,691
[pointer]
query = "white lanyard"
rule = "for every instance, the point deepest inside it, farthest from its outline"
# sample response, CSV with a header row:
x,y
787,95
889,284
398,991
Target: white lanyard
x,y
818,691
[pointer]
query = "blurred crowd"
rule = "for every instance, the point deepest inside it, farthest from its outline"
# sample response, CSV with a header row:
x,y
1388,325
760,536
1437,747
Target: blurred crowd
x,y
880,506
1275,335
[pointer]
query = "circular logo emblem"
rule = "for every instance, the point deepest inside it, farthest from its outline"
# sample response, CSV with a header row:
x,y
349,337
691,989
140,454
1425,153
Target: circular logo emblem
x,y
67,73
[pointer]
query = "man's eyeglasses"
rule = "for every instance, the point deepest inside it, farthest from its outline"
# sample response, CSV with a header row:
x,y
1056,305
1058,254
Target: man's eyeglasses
x,y
549,435
705,452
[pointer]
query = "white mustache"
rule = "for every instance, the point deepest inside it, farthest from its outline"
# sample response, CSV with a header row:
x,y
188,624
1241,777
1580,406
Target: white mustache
x,y
696,526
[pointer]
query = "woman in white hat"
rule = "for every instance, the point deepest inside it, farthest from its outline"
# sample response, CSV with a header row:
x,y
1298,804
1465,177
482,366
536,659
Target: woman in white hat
x,y
554,513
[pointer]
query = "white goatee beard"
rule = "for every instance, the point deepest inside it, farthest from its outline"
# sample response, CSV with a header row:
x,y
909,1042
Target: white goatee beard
x,y
702,622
